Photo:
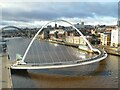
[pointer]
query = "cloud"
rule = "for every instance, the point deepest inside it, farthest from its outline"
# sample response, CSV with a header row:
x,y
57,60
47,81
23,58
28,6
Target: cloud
x,y
45,11
60,0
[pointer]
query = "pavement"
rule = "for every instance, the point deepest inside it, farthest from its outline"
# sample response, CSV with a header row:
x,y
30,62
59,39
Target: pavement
x,y
5,78
0,72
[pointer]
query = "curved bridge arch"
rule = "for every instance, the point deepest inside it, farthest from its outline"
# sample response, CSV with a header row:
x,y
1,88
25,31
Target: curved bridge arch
x,y
88,43
12,27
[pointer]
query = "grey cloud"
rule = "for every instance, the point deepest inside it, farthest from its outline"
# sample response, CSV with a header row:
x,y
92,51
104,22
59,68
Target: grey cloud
x,y
48,11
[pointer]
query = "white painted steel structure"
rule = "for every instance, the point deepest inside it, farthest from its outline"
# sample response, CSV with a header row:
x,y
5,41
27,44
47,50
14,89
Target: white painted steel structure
x,y
22,65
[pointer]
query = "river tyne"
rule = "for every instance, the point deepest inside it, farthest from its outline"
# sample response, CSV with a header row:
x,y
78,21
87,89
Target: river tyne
x,y
102,74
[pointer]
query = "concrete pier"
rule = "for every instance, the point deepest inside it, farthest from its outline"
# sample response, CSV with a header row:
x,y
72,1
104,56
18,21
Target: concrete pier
x,y
6,73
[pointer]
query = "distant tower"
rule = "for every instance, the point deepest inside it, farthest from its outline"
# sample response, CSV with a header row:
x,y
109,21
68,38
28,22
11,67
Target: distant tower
x,y
55,26
82,23
118,23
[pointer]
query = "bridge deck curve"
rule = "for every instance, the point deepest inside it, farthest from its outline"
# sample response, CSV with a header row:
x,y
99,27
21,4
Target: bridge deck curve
x,y
100,57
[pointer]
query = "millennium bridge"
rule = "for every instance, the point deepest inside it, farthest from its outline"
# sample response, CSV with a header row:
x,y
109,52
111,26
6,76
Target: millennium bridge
x,y
21,64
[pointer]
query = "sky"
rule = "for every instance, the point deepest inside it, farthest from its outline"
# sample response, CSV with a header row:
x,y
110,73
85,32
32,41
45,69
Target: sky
x,y
36,14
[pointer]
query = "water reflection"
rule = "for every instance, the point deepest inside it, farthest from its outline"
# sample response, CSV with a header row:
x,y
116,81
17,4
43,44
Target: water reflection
x,y
93,75
49,78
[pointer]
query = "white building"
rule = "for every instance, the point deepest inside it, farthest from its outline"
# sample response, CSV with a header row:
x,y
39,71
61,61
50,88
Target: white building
x,y
105,38
115,37
77,40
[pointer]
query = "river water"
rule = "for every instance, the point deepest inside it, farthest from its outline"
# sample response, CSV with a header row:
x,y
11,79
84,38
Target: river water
x,y
102,74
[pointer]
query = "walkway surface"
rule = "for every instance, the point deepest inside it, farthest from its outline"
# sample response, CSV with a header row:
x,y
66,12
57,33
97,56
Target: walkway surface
x,y
5,81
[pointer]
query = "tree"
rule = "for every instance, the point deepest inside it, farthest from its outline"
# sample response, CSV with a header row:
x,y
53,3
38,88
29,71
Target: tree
x,y
56,34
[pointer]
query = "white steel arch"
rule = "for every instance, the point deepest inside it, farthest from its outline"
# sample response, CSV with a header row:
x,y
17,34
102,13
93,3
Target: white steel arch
x,y
24,56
